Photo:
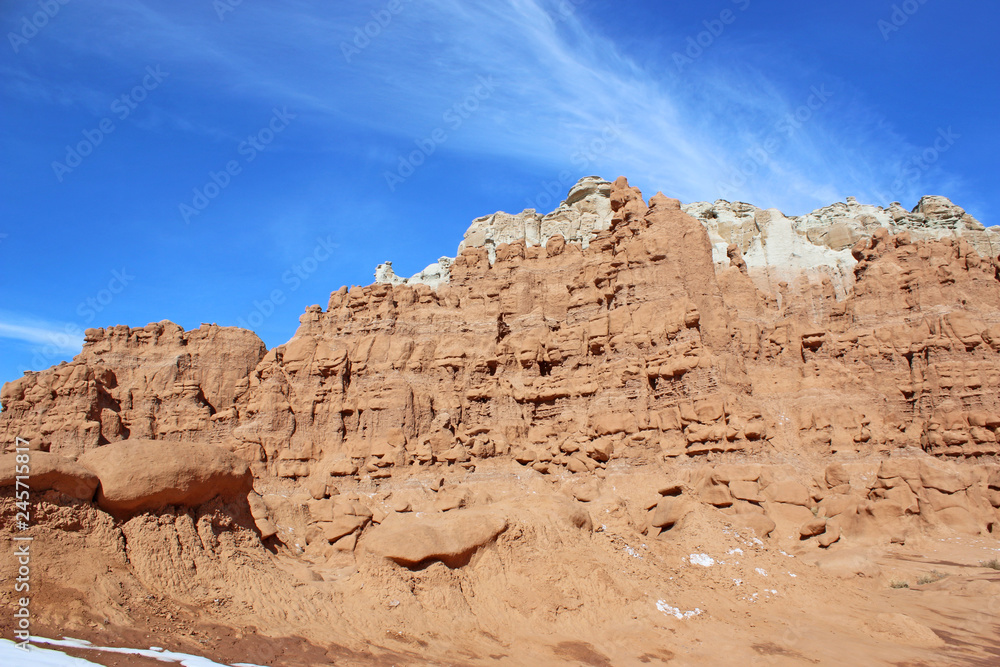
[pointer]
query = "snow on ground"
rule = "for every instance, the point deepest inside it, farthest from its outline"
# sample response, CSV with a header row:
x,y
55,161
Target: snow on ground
x,y
10,654
675,612
702,559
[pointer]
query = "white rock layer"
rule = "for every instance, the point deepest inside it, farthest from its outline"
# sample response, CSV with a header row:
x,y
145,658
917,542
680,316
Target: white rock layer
x,y
776,248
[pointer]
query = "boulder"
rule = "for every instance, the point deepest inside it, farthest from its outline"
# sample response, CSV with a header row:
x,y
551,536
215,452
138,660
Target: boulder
x,y
831,536
837,504
836,475
761,524
943,480
341,526
748,491
789,492
51,471
715,494
812,528
452,538
669,510
142,475
266,527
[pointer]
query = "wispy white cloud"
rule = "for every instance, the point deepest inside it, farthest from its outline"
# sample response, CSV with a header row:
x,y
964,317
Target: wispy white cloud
x,y
704,132
54,338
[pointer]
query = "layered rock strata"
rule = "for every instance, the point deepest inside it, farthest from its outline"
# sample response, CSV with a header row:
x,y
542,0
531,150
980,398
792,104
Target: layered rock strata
x,y
581,405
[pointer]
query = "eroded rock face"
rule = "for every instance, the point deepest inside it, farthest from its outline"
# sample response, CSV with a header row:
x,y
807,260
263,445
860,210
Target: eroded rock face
x,y
433,275
156,382
566,354
523,448
780,248
522,357
585,212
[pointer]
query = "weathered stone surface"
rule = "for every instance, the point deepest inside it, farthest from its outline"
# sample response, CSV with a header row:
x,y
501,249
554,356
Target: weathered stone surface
x,y
141,475
50,471
602,332
789,492
622,340
813,528
773,247
749,491
824,383
452,538
669,510
760,524
830,536
156,382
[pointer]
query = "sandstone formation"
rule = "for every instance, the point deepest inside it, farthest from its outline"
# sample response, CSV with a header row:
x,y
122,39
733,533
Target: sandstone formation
x,y
452,538
45,471
156,382
585,211
607,424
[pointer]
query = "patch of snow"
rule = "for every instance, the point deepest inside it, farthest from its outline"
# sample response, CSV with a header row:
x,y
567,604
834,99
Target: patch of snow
x,y
792,574
738,582
662,605
761,571
702,559
632,552
39,657
10,654
737,550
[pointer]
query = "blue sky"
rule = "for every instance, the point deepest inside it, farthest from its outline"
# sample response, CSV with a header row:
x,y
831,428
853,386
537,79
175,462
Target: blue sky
x,y
234,162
